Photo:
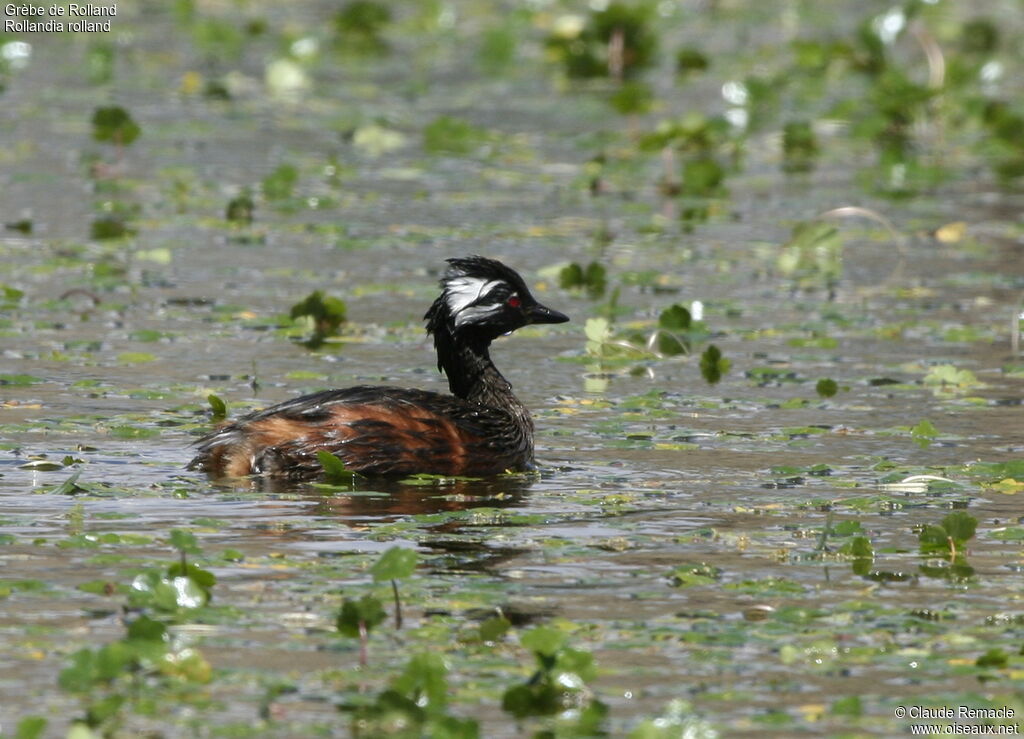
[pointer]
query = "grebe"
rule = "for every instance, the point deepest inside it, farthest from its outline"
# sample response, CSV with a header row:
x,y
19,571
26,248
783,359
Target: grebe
x,y
480,429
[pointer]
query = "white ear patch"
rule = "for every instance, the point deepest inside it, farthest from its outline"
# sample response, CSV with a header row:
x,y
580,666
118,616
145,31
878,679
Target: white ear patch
x,y
462,292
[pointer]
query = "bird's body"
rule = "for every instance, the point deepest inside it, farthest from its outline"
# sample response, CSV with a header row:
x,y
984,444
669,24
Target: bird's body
x,y
480,429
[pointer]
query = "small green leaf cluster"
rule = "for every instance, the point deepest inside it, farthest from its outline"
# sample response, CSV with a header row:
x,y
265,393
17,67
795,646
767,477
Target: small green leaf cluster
x,y
707,147
415,705
115,125
617,41
950,535
558,686
359,616
449,135
676,334
278,185
323,313
240,208
799,147
947,378
691,575
360,25
592,279
813,255
924,433
108,678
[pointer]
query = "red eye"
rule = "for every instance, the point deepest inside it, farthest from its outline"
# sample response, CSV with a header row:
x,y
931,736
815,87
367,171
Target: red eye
x,y
514,301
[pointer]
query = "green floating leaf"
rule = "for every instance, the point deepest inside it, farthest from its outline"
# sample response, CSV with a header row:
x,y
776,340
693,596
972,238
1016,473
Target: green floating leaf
x,y
132,432
924,433
955,530
203,578
994,657
367,610
713,366
185,541
240,209
813,253
933,539
90,668
858,547
960,526
11,295
448,135
70,486
335,470
539,699
498,49
632,98
114,124
675,318
593,278
628,26
110,227
359,25
687,576
826,388
19,380
494,628
397,563
947,376
690,61
799,147
279,184
1013,469
167,593
145,628
414,705
671,345
1010,533
543,640
599,333
850,706
425,677
30,727
703,176
135,357
218,408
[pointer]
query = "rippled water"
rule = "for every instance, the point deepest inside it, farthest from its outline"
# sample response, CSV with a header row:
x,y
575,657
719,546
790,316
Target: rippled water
x,y
657,470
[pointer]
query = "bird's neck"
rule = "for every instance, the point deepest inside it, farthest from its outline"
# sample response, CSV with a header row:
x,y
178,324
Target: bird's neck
x,y
472,375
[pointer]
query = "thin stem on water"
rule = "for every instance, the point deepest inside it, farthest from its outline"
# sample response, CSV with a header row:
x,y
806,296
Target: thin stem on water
x,y
398,605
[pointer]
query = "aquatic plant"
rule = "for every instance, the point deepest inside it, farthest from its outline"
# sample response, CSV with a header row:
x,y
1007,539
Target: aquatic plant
x,y
799,147
592,279
115,125
415,704
240,208
359,26
618,41
280,184
558,686
129,673
697,153
396,563
449,135
322,313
